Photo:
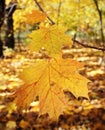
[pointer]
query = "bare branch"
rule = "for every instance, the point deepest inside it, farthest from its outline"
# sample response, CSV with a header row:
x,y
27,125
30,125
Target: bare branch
x,y
88,46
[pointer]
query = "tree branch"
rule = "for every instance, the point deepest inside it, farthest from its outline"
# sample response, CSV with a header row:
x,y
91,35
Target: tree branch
x,y
41,9
59,11
11,8
88,46
101,19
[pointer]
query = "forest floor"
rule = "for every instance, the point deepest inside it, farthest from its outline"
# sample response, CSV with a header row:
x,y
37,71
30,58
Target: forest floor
x,y
82,114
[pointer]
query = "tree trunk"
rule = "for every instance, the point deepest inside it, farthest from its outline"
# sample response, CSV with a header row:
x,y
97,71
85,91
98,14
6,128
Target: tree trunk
x,y
2,12
1,49
9,41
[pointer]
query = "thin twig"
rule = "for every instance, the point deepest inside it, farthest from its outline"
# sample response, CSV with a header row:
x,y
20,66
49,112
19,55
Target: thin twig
x,y
41,9
101,20
59,11
88,46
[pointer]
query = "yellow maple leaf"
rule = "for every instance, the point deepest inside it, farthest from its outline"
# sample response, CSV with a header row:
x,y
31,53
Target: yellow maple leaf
x,y
24,95
35,16
47,79
49,100
51,38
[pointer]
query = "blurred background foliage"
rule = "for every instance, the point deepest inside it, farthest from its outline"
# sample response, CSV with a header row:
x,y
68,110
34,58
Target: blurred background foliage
x,y
80,17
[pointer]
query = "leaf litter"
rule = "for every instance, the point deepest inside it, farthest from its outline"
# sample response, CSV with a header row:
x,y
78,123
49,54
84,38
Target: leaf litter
x,y
81,114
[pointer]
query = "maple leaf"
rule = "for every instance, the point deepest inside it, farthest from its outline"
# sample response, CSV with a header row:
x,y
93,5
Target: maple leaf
x,y
48,79
25,95
51,38
49,100
35,16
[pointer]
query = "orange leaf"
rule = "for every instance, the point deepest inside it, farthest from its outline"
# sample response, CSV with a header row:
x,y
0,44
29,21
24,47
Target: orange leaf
x,y
25,95
35,16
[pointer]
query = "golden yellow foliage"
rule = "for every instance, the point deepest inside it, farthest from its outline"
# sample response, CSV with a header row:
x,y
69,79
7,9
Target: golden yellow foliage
x,y
47,79
51,38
